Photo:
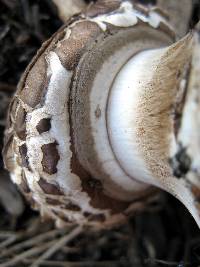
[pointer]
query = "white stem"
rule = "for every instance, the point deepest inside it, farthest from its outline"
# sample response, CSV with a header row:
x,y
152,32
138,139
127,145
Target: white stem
x,y
140,118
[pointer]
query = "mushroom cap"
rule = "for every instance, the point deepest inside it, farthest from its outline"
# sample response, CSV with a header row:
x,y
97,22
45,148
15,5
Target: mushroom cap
x,y
51,141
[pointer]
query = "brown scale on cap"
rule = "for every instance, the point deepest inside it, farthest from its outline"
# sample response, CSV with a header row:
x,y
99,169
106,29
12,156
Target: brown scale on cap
x,y
94,217
71,206
94,188
49,188
71,49
44,125
52,201
35,75
20,123
35,79
50,157
24,156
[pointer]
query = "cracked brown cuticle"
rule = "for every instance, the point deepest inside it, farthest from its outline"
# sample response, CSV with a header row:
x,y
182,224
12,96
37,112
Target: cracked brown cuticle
x,y
49,188
53,201
20,123
35,74
44,125
71,206
24,156
71,50
50,157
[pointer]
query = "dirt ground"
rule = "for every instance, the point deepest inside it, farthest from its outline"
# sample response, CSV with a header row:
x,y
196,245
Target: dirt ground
x,y
164,234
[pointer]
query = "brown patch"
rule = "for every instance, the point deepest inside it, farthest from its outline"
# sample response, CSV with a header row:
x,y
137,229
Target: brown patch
x,y
32,85
71,206
99,200
94,189
8,152
24,184
98,112
102,7
20,122
50,158
52,201
48,188
24,157
44,125
70,50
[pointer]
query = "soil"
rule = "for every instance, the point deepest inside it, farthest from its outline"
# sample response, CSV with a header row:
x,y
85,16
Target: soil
x,y
164,234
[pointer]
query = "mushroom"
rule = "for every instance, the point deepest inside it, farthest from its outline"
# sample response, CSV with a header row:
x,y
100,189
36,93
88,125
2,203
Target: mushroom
x,y
101,116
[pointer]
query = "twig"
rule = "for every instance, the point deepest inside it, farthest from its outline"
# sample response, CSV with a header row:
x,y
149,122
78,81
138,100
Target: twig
x,y
74,233
28,253
12,237
32,241
76,263
163,262
8,241
6,234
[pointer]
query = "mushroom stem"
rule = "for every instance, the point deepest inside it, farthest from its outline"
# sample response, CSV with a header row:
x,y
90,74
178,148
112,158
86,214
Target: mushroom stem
x,y
140,117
